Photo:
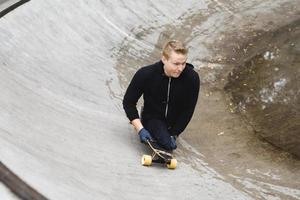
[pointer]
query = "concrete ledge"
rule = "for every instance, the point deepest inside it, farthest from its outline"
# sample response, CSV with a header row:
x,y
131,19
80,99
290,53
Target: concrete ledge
x,y
9,5
18,186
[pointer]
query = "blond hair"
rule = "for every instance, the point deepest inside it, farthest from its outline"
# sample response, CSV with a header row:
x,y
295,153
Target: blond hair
x,y
174,45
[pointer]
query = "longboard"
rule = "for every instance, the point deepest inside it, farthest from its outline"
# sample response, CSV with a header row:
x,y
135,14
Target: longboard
x,y
159,155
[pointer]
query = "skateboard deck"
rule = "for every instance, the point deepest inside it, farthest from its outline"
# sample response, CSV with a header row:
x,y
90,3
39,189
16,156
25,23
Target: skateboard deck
x,y
159,155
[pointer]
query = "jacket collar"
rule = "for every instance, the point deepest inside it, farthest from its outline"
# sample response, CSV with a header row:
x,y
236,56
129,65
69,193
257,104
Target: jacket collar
x,y
160,67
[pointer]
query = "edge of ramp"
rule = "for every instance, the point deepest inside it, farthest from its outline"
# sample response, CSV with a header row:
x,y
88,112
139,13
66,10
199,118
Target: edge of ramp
x,y
17,185
9,6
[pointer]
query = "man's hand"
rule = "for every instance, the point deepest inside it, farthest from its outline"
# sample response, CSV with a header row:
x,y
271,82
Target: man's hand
x,y
144,135
173,142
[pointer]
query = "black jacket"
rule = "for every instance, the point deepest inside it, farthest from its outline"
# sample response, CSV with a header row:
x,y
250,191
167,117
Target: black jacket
x,y
152,82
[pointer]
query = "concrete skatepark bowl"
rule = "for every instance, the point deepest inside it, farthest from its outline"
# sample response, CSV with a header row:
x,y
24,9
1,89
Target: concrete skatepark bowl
x,y
65,67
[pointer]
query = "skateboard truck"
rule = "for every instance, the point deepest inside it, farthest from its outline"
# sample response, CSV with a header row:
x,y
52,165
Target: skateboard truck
x,y
158,156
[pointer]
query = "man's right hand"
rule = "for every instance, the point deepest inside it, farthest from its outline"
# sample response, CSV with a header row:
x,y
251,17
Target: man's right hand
x,y
144,135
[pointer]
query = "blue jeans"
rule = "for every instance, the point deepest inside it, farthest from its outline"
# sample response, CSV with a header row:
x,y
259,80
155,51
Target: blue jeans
x,y
159,131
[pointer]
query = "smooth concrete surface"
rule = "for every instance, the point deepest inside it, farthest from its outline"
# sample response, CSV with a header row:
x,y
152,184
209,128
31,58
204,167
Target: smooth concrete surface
x,y
64,69
6,194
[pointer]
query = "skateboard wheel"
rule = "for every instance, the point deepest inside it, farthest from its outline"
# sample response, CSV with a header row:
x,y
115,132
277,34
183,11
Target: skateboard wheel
x,y
173,164
146,160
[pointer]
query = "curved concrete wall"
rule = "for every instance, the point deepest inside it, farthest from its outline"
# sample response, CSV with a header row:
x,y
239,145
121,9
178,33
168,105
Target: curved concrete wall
x,y
65,66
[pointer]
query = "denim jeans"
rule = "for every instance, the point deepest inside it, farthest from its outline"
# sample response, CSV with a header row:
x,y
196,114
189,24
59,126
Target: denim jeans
x,y
159,131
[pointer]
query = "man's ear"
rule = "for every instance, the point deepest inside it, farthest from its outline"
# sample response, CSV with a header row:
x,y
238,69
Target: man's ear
x,y
164,59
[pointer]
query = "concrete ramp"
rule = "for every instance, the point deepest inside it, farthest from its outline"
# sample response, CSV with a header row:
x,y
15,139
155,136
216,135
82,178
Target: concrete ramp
x,y
64,68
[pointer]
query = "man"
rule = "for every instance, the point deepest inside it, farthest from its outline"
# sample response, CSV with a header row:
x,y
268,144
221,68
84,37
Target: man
x,y
170,90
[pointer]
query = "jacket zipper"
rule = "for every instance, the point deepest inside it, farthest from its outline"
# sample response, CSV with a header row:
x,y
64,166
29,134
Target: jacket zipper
x,y
167,106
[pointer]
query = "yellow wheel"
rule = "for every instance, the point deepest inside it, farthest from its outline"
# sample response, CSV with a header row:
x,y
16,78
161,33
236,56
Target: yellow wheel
x,y
172,164
146,160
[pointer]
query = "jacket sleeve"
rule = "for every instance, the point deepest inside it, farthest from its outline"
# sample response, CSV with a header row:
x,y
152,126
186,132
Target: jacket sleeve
x,y
132,95
189,107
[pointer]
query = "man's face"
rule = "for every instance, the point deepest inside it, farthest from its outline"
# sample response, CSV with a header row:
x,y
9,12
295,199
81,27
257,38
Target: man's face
x,y
175,64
